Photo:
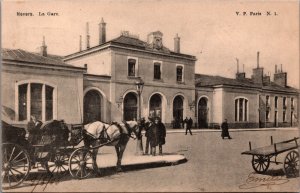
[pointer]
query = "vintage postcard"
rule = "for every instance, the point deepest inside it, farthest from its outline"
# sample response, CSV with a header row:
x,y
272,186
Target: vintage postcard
x,y
150,96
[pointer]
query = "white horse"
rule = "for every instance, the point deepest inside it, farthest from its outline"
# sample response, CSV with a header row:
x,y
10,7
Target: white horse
x,y
115,134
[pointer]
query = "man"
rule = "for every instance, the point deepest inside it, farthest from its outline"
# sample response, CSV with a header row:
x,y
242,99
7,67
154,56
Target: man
x,y
225,132
186,126
147,135
190,124
157,134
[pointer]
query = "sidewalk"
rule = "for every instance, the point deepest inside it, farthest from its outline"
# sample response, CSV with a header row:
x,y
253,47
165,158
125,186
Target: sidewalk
x,y
129,162
196,130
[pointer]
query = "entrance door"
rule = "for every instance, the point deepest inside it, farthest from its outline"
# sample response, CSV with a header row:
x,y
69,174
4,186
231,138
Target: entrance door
x,y
92,107
130,107
202,113
177,111
155,106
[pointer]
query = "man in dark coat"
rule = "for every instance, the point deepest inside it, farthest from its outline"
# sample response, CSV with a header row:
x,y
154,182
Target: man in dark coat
x,y
147,135
157,134
225,132
189,125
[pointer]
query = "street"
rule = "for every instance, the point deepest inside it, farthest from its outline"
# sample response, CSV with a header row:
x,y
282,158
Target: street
x,y
213,165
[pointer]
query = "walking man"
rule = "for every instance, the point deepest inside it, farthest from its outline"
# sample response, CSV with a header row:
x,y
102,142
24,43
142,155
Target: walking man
x,y
225,132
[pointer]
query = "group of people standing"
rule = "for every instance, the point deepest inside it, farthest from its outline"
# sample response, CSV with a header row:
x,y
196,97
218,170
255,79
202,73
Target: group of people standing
x,y
155,135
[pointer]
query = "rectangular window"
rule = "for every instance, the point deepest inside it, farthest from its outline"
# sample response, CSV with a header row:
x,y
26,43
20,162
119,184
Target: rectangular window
x,y
276,101
49,103
179,73
23,102
246,110
292,103
236,109
131,67
267,115
284,116
36,100
157,72
284,102
241,109
267,101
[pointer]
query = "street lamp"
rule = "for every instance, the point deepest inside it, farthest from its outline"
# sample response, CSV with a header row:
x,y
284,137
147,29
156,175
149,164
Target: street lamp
x,y
139,88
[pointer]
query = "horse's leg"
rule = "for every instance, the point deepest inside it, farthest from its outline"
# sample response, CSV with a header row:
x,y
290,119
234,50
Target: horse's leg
x,y
122,149
118,158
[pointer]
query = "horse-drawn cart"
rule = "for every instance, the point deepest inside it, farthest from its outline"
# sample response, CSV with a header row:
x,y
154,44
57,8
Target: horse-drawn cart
x,y
261,157
52,151
56,150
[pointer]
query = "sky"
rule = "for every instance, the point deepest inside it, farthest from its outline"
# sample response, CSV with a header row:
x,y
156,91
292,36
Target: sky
x,y
210,30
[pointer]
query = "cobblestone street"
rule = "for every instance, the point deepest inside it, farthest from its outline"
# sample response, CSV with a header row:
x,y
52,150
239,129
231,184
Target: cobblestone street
x,y
213,165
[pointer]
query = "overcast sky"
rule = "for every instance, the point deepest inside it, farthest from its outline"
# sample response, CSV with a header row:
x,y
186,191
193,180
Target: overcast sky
x,y
210,30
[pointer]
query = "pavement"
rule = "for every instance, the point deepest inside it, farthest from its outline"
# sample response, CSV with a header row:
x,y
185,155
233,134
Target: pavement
x,y
107,159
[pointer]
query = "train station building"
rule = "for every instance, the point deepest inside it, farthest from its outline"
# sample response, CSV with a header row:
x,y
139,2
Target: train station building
x,y
100,83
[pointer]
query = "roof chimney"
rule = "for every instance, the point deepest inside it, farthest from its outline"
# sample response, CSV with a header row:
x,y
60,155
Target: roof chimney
x,y
275,68
280,77
102,32
258,72
177,44
257,59
44,48
80,43
87,36
237,65
239,75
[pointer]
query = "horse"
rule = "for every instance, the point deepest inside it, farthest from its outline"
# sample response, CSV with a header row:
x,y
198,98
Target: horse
x,y
117,135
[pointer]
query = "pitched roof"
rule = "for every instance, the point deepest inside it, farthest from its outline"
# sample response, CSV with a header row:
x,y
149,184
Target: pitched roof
x,y
209,80
203,80
134,42
31,57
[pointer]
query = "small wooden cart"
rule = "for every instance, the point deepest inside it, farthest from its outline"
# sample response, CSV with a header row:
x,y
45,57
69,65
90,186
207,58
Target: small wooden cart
x,y
261,157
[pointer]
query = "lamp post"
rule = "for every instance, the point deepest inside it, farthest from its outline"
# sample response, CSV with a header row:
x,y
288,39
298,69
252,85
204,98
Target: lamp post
x,y
139,88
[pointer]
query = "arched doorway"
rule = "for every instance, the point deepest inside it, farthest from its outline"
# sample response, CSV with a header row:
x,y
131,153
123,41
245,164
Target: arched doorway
x,y
177,111
202,113
130,107
155,106
92,107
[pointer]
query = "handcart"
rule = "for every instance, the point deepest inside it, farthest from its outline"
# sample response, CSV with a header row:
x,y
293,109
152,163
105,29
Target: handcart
x,y
261,157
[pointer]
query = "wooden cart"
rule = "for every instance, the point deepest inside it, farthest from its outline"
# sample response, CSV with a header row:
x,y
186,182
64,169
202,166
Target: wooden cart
x,y
261,157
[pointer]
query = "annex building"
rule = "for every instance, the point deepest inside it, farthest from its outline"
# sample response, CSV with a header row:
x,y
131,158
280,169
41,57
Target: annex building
x,y
100,83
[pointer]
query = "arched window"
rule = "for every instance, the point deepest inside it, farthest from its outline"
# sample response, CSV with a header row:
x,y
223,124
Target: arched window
x,y
35,99
241,109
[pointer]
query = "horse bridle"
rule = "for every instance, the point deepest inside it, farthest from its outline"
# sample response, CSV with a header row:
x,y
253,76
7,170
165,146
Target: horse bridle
x,y
130,130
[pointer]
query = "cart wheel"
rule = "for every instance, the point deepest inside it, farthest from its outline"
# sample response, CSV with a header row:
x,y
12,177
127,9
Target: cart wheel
x,y
260,163
15,165
291,164
81,163
58,164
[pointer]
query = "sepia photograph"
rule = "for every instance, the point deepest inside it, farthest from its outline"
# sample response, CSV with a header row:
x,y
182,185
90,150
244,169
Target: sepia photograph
x,y
150,96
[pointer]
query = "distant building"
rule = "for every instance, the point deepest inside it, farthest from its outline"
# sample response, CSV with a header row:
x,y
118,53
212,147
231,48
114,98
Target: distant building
x,y
246,102
99,83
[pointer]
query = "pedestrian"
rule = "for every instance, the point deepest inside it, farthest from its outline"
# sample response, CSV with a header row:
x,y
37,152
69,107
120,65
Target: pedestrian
x,y
186,126
148,126
157,134
225,132
190,124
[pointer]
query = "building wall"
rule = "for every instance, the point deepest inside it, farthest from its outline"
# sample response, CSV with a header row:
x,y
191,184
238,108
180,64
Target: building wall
x,y
145,67
98,63
69,89
280,109
229,96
